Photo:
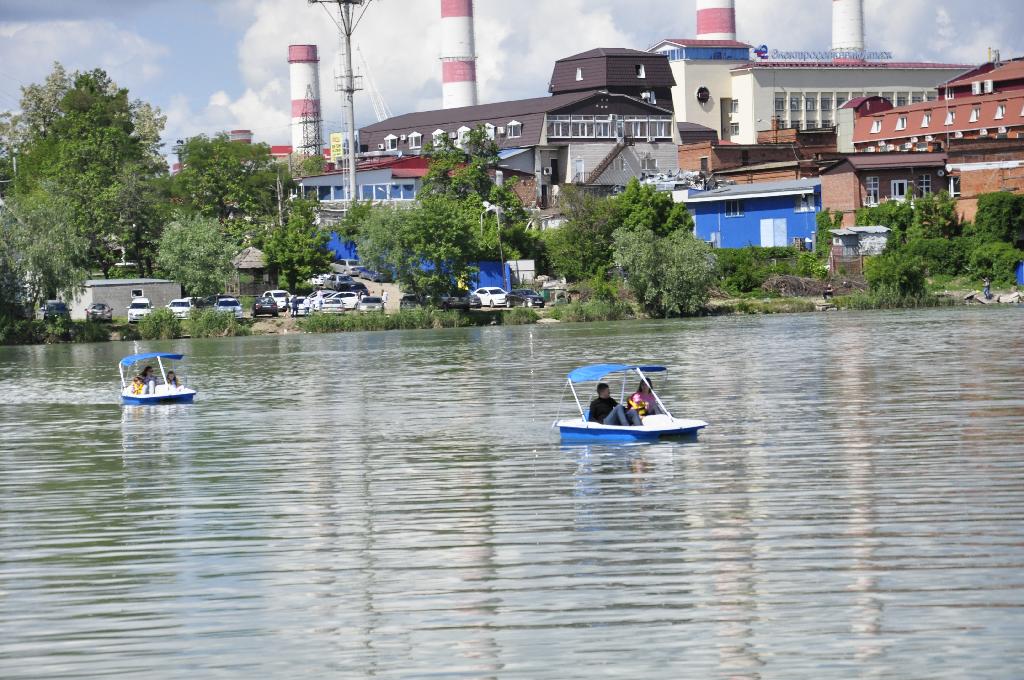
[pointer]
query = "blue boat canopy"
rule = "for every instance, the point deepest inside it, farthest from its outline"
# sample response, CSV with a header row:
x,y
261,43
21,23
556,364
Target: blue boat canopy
x,y
128,361
598,371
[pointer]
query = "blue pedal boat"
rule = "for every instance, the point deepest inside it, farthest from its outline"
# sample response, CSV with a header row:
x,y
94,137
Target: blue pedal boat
x,y
159,392
654,427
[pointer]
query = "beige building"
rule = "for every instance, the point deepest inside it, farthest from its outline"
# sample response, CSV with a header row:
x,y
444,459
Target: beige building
x,y
723,85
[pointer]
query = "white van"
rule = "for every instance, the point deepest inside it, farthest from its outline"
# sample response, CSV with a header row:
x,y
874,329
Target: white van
x,y
346,266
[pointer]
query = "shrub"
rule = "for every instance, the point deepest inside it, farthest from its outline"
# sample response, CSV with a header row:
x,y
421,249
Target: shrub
x,y
746,269
407,319
1000,217
20,331
996,260
808,265
208,323
940,255
91,331
160,324
595,310
520,316
894,276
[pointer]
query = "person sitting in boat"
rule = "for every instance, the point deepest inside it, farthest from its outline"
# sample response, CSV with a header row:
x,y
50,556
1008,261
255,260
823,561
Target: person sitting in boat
x,y
607,411
149,379
137,386
172,382
642,401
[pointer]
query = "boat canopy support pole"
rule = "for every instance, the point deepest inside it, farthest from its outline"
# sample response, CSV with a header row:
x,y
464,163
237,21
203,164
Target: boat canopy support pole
x,y
576,397
656,397
163,373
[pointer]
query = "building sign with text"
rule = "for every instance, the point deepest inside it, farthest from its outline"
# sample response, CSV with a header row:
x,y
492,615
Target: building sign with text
x,y
763,53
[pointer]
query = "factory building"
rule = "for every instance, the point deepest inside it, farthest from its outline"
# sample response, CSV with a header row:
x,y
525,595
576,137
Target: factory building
x,y
739,90
606,121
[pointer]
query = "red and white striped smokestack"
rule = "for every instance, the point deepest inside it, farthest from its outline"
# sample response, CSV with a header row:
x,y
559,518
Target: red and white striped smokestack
x,y
305,87
716,19
458,54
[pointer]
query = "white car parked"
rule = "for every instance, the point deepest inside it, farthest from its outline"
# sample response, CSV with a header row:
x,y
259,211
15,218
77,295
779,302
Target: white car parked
x,y
229,305
371,304
182,307
332,305
492,297
139,308
348,299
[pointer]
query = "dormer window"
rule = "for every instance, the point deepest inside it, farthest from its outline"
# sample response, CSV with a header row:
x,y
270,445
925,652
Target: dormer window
x,y
950,117
438,136
391,143
975,114
901,123
926,119
415,140
641,72
514,129
876,126
490,130
463,135
1000,111
579,73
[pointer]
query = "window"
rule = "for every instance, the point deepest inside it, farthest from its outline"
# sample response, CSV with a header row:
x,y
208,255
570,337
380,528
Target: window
x,y
950,117
619,164
954,186
1000,111
734,208
636,126
811,102
794,103
975,114
871,186
949,93
804,203
462,135
916,98
514,129
926,119
876,126
734,129
826,103
490,130
415,140
891,96
826,122
976,87
924,185
660,127
324,193
579,170
901,123
841,98
780,105
579,73
603,127
339,193
704,163
438,136
391,143
582,126
901,99
641,72
559,126
649,164
989,87
734,106
898,189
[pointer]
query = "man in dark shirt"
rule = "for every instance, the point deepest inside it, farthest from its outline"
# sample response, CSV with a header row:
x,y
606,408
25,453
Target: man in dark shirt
x,y
607,411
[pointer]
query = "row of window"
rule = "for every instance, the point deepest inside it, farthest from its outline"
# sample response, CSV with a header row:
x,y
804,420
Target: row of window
x,y
512,130
950,118
802,203
899,189
367,192
812,101
608,127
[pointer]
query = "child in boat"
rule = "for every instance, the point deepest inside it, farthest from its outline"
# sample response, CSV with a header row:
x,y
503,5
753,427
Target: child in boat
x,y
172,382
137,385
642,401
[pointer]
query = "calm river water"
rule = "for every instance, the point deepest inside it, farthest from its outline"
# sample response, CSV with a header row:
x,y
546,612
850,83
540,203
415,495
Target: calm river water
x,y
395,505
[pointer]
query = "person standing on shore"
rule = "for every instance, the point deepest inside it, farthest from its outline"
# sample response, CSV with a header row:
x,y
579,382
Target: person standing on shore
x,y
986,289
295,306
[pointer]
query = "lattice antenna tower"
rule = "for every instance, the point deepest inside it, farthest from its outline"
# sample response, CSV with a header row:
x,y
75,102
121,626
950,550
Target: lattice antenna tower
x,y
312,129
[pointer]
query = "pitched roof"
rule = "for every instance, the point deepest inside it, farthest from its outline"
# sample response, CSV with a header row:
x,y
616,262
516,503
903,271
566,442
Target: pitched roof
x,y
962,109
885,161
608,52
1013,70
791,187
250,258
472,114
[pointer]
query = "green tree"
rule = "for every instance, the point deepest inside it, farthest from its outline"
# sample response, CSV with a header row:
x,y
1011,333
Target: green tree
x,y
827,221
461,171
669,275
1000,217
88,144
224,179
897,215
895,276
195,252
582,246
298,250
43,256
642,206
996,260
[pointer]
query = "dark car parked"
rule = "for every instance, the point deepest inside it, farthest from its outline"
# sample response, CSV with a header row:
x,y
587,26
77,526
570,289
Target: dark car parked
x,y
370,274
55,309
338,281
98,311
524,297
353,287
410,301
464,302
265,306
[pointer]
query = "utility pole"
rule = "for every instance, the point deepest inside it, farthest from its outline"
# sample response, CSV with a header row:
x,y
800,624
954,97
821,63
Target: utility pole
x,y
350,16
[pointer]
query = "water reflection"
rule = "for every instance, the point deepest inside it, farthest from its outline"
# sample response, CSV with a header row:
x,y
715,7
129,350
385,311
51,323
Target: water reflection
x,y
396,505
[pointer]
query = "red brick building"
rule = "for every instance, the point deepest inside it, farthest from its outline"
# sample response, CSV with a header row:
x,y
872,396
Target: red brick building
x,y
868,179
774,146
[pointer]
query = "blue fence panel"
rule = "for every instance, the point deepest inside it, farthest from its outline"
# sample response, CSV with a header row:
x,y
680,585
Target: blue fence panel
x,y
490,275
342,250
1020,273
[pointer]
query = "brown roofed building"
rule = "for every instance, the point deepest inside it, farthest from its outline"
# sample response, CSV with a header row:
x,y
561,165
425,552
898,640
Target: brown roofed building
x,y
642,75
868,179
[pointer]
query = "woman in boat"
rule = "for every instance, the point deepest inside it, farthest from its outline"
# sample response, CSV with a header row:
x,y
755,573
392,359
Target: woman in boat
x,y
642,401
149,379
172,382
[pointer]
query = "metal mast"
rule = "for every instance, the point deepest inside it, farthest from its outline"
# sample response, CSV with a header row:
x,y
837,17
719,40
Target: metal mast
x,y
350,15
312,129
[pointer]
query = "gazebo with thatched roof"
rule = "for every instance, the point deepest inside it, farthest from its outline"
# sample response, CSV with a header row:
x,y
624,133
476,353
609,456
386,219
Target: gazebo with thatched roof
x,y
252,276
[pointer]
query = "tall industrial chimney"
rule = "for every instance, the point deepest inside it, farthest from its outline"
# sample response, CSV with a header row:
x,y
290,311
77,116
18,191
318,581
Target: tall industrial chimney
x,y
458,53
716,19
307,131
847,25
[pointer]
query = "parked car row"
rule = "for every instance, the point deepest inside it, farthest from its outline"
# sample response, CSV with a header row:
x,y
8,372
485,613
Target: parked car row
x,y
481,297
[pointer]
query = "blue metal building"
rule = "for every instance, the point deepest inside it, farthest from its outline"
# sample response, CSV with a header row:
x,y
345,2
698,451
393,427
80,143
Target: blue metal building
x,y
764,214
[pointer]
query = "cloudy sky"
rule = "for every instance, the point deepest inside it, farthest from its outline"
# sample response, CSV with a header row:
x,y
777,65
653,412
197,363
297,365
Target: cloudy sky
x,y
220,64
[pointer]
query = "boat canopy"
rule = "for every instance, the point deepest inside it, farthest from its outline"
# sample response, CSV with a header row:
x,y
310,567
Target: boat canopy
x,y
598,371
128,361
